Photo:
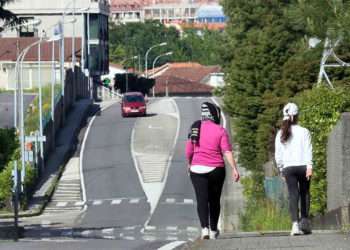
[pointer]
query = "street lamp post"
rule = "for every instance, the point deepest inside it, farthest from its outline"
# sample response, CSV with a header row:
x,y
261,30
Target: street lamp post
x,y
157,58
146,56
154,63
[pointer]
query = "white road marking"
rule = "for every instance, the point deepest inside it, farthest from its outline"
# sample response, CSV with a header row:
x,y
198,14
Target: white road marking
x,y
171,228
149,238
134,201
97,203
62,204
129,228
116,202
150,228
170,200
192,229
109,237
108,231
86,233
172,245
188,201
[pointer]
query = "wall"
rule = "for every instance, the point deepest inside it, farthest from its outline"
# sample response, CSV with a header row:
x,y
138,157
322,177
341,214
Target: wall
x,y
76,87
338,164
338,178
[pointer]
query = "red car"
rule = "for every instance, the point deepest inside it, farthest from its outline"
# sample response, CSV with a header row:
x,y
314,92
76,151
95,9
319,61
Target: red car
x,y
133,104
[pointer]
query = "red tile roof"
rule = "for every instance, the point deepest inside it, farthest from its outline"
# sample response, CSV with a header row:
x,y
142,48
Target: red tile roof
x,y
184,78
191,71
8,49
180,86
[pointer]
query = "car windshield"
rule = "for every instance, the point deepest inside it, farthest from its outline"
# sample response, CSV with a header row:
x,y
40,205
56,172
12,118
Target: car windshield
x,y
134,98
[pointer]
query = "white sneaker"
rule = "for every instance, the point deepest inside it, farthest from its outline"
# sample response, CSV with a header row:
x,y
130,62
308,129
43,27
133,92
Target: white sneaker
x,y
213,235
295,229
205,234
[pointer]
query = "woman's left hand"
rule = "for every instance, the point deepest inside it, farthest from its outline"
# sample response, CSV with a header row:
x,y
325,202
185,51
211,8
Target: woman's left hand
x,y
235,174
308,173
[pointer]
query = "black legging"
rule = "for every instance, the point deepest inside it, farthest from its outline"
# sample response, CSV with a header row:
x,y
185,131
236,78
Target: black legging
x,y
298,188
208,189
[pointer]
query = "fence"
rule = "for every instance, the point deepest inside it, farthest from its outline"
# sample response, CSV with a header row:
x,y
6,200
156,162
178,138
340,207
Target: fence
x,y
276,190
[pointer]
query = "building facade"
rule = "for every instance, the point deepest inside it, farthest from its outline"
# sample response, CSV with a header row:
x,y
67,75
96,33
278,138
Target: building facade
x,y
87,19
168,11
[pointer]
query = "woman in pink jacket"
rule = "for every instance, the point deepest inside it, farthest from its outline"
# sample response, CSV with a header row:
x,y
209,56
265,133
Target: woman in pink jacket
x,y
206,147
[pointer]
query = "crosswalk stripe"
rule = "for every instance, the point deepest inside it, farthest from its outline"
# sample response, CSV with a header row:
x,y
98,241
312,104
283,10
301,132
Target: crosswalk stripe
x,y
134,201
108,231
192,229
171,228
170,200
151,228
62,204
149,238
188,201
97,203
116,202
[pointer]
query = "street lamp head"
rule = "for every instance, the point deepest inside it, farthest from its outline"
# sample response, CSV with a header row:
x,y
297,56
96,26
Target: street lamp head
x,y
163,44
169,53
313,42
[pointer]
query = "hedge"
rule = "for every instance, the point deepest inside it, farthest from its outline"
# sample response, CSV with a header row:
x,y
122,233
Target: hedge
x,y
320,110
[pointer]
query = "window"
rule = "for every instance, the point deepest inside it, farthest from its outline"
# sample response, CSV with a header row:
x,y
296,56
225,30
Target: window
x,y
27,30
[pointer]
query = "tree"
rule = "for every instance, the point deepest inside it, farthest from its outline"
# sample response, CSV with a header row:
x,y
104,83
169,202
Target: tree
x,y
7,16
134,39
262,45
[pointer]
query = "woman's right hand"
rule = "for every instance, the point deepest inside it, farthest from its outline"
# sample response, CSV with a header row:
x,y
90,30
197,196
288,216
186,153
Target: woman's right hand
x,y
235,175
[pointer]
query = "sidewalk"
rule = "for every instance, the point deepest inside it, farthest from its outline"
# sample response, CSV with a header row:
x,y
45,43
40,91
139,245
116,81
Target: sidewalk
x,y
326,240
65,145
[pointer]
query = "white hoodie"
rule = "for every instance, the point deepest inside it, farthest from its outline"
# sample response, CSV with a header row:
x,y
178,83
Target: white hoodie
x,y
297,151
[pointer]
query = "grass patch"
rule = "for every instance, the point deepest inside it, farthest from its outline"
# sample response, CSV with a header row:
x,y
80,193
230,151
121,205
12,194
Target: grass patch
x,y
32,116
264,215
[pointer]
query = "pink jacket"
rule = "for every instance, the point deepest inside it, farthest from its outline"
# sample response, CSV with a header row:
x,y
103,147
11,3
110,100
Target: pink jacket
x,y
214,140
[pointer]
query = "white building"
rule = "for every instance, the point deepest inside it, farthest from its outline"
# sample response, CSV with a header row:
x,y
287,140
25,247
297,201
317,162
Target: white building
x,y
90,22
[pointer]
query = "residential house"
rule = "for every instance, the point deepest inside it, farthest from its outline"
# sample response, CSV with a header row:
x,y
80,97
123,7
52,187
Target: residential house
x,y
87,19
185,79
10,48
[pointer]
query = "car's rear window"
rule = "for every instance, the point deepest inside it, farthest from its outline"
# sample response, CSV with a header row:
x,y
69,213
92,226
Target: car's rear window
x,y
133,98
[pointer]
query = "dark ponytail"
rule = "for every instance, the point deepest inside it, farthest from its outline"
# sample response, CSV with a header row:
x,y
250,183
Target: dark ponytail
x,y
286,128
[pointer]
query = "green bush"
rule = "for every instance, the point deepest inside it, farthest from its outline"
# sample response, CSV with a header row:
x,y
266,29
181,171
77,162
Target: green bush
x,y
5,186
320,110
8,144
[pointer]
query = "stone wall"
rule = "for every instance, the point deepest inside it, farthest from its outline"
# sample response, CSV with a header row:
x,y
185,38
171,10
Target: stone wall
x,y
338,165
338,178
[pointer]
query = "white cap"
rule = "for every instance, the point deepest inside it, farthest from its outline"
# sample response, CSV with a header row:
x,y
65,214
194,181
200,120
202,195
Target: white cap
x,y
290,110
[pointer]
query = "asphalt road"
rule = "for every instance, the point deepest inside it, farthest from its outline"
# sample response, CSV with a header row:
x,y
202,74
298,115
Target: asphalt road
x,y
110,174
119,214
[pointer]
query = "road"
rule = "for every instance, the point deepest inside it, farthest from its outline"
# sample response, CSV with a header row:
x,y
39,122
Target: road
x,y
135,184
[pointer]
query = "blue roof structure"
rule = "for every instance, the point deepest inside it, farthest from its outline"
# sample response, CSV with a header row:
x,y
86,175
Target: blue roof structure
x,y
210,14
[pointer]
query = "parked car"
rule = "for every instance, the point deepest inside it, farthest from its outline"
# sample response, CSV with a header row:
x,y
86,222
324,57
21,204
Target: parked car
x,y
133,104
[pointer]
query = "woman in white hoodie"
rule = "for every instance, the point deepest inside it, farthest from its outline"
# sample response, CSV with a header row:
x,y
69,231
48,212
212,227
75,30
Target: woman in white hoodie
x,y
293,154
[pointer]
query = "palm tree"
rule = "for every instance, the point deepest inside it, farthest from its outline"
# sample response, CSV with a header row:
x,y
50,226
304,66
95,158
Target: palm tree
x,y
6,16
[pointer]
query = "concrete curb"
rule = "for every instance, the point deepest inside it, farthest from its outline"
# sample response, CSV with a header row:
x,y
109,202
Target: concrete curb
x,y
39,208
